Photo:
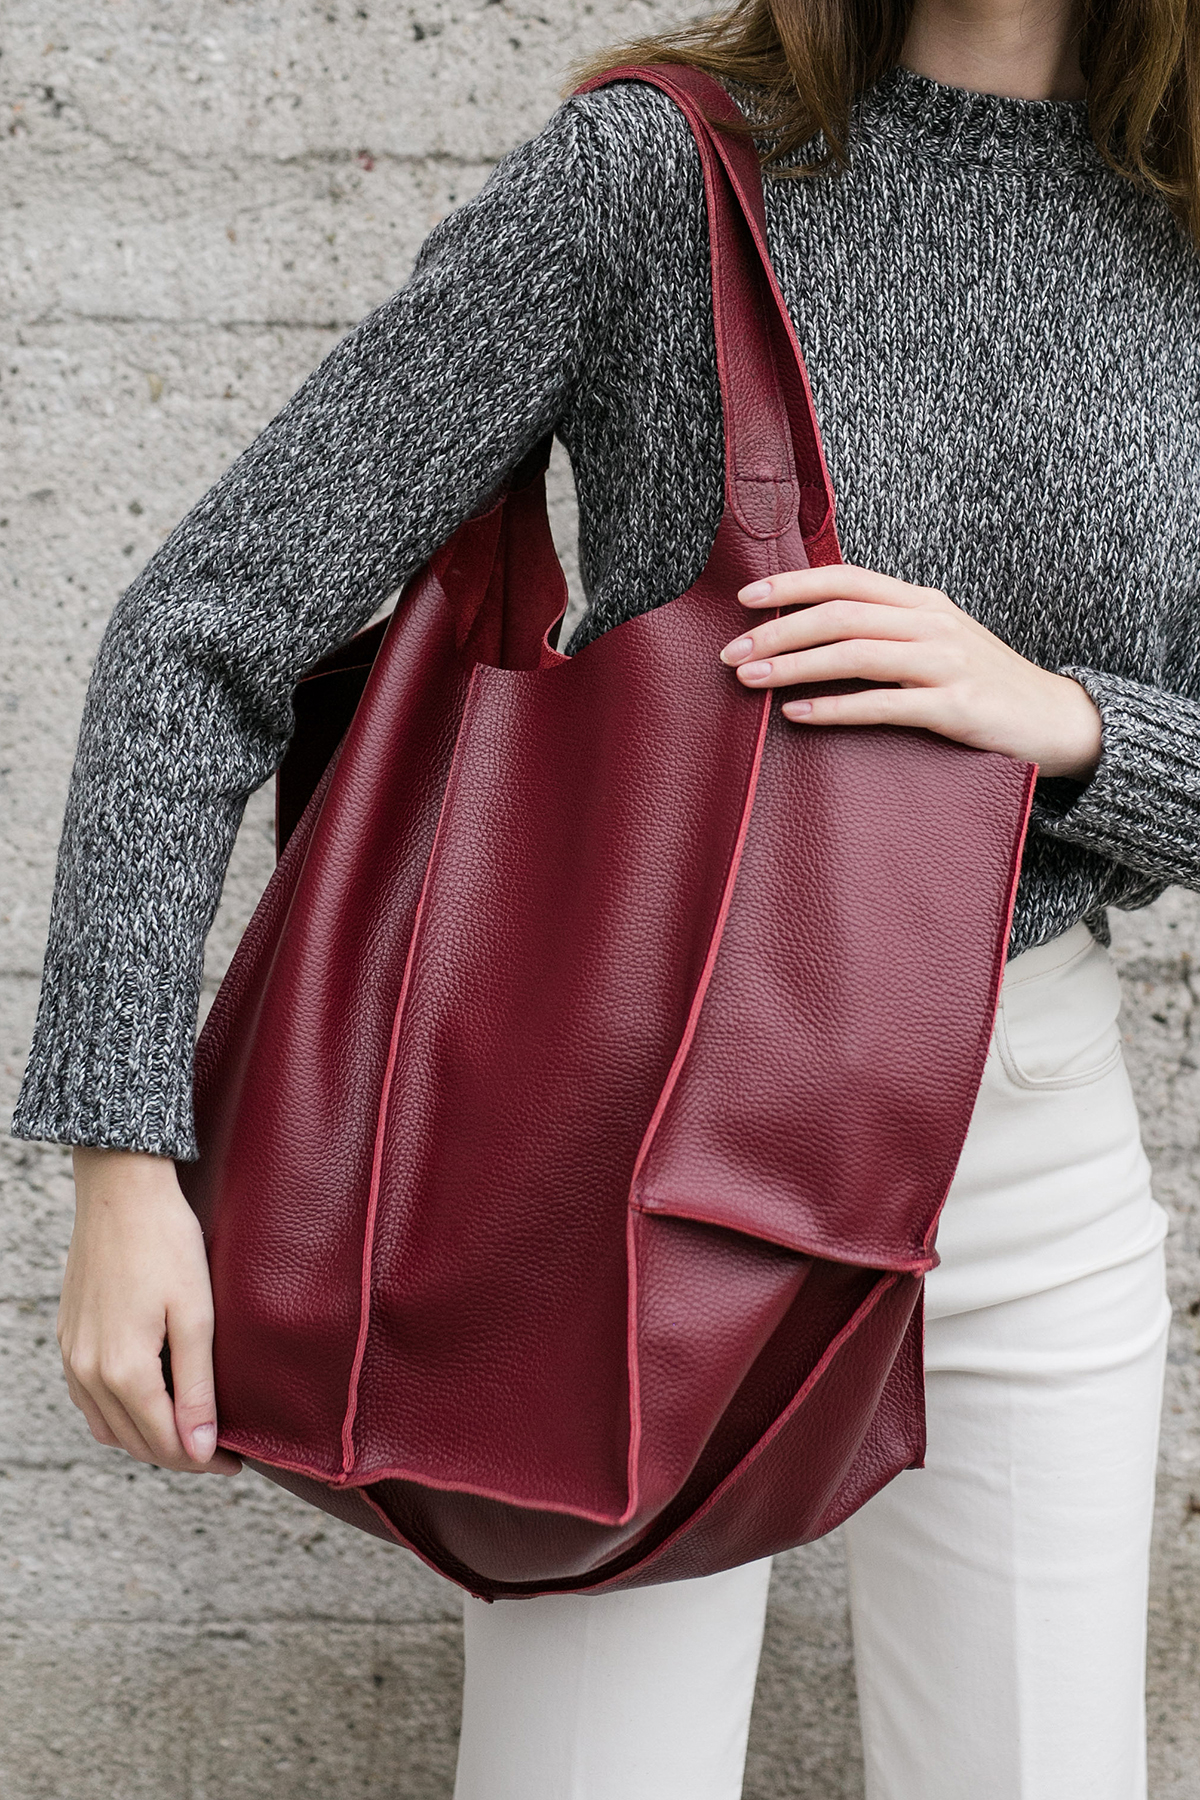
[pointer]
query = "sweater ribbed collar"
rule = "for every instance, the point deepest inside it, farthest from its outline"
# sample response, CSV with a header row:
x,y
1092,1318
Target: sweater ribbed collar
x,y
914,113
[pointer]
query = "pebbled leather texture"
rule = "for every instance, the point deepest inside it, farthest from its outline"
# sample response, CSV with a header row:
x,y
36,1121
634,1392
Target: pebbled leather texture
x,y
577,1111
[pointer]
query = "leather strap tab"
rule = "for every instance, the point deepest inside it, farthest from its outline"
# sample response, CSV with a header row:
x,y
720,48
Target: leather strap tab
x,y
772,443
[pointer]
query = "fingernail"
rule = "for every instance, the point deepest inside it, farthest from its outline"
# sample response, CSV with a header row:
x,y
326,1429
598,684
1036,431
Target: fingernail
x,y
734,652
758,590
757,671
797,709
204,1442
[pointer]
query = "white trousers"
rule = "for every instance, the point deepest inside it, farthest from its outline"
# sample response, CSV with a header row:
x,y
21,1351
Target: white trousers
x,y
998,1596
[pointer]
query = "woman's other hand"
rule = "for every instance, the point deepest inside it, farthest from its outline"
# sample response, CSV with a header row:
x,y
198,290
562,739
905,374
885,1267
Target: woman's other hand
x,y
137,1278
951,674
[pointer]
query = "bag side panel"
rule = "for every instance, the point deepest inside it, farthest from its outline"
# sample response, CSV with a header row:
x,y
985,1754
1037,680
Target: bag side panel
x,y
896,1439
286,1112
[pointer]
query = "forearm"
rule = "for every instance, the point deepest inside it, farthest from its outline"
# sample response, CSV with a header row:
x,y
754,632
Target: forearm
x,y
404,431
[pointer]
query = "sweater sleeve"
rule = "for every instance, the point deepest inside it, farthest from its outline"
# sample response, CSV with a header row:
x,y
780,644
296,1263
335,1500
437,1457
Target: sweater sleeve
x,y
1141,807
402,432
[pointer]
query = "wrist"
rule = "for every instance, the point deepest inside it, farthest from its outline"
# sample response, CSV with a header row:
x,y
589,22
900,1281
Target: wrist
x,y
105,1177
1076,754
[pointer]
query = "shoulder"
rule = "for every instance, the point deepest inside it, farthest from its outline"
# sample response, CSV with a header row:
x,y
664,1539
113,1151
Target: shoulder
x,y
642,169
600,215
632,124
603,163
626,150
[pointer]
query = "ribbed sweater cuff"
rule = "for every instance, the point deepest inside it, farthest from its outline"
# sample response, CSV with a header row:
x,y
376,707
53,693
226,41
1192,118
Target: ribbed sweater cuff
x,y
1141,807
111,1060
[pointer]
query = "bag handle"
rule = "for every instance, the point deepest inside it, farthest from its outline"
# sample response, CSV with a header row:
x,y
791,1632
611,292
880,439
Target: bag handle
x,y
775,472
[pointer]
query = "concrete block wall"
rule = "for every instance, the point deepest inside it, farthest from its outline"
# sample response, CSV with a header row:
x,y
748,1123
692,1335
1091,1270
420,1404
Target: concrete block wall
x,y
196,200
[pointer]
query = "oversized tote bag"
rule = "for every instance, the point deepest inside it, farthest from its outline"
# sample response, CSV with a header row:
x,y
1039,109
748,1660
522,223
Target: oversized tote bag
x,y
577,1111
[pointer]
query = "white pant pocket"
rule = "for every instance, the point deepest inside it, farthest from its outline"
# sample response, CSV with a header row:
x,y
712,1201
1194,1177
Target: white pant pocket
x,y
1057,1024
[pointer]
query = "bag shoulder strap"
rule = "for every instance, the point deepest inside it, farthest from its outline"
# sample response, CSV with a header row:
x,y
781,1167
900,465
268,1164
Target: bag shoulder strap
x,y
775,469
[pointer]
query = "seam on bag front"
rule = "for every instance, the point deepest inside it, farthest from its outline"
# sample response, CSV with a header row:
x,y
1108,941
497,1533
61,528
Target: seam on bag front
x,y
680,1057
864,1255
710,959
385,1094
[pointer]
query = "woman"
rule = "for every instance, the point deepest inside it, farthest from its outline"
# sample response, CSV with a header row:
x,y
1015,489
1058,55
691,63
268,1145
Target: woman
x,y
1003,333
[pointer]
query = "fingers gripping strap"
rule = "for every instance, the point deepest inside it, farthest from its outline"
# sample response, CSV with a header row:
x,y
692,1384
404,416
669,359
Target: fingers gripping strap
x,y
773,445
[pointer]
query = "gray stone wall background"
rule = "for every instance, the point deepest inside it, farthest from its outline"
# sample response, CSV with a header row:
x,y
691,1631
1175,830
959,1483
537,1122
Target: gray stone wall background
x,y
197,200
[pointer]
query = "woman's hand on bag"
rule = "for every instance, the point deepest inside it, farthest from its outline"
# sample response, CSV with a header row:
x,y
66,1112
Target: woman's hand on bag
x,y
137,1277
950,674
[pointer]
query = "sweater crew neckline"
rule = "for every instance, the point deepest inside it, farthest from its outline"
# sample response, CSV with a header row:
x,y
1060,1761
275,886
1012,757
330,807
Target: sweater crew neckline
x,y
961,125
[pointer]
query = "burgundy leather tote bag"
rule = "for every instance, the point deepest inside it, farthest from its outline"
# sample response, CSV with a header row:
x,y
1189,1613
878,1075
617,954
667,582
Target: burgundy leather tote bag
x,y
576,1113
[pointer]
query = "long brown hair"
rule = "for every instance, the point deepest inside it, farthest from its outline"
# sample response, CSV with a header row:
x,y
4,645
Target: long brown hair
x,y
808,59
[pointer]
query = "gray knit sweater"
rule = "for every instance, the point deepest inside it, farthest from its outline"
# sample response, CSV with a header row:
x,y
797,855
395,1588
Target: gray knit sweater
x,y
1004,345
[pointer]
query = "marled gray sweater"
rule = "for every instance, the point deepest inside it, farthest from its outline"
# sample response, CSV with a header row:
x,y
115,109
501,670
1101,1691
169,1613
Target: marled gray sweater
x,y
1004,344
